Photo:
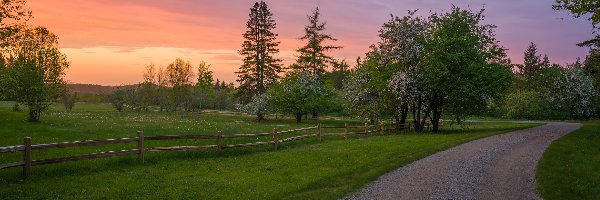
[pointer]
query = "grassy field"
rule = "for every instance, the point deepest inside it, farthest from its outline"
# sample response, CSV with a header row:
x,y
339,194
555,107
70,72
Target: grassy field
x,y
306,169
570,168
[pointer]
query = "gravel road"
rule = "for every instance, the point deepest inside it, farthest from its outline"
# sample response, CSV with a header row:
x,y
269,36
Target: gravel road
x,y
497,167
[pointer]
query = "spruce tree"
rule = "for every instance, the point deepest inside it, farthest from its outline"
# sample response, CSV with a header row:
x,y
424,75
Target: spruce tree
x,y
260,69
312,56
532,64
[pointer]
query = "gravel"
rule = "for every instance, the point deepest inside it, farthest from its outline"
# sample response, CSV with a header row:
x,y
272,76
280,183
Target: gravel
x,y
497,167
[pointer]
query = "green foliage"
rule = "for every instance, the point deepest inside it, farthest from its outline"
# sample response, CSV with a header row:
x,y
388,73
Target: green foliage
x,y
205,76
312,58
179,78
523,105
570,167
69,99
580,8
300,94
592,67
463,65
36,69
560,92
365,91
118,99
339,74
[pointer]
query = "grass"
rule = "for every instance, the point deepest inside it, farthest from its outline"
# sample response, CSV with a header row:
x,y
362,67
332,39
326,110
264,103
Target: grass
x,y
570,167
306,169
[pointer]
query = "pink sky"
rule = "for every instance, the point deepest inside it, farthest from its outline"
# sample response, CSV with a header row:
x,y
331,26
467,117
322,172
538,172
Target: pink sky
x,y
110,41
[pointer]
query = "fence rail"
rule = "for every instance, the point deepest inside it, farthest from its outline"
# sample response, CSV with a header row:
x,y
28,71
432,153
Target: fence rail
x,y
27,147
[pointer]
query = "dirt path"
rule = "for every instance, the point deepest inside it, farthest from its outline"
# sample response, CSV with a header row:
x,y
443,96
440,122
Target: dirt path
x,y
497,167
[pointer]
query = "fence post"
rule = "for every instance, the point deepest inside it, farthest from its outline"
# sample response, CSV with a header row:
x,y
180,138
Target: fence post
x,y
27,157
345,130
382,128
219,141
141,150
275,141
319,131
366,129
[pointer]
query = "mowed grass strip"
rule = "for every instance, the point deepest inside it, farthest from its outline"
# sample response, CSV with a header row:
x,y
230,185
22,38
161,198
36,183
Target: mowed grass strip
x,y
570,167
306,169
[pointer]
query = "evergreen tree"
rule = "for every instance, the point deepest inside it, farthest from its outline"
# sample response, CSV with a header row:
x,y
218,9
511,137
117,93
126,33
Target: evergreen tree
x,y
531,63
534,69
312,56
260,69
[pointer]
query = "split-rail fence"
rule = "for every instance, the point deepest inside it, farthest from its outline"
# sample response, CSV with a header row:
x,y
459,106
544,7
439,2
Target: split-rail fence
x,y
275,138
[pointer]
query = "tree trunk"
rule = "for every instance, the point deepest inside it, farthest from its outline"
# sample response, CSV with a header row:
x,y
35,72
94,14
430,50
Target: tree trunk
x,y
403,116
260,117
298,117
34,115
435,121
397,121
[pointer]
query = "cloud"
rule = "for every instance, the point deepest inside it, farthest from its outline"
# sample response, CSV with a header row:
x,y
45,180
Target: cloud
x,y
212,30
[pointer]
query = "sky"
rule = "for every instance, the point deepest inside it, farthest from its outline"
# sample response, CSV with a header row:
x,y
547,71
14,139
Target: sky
x,y
109,42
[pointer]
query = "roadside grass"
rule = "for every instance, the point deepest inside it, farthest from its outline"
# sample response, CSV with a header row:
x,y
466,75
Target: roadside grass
x,y
570,167
306,169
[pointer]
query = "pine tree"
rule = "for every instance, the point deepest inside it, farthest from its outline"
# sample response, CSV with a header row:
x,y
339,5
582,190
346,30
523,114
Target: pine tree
x,y
532,64
312,56
260,69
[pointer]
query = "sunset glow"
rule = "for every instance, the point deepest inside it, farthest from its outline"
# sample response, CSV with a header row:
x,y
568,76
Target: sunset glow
x,y
109,42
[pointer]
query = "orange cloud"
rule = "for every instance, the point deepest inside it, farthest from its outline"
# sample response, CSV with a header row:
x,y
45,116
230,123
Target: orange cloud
x,y
109,41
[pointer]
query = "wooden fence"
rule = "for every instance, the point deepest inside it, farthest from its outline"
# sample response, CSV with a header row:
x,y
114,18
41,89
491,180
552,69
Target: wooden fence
x,y
275,138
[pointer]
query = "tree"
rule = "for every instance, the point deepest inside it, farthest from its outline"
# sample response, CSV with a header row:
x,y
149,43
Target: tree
x,y
312,56
532,70
13,14
299,94
179,78
463,65
259,106
580,8
162,91
402,45
118,98
592,67
147,90
338,75
36,68
260,69
574,93
523,104
14,10
205,76
69,99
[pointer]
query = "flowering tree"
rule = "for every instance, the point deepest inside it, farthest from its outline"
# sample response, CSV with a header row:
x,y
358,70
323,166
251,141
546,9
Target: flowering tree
x,y
574,93
300,94
402,44
259,106
365,90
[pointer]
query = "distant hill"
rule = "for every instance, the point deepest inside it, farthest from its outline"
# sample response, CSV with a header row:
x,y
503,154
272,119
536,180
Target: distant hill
x,y
94,89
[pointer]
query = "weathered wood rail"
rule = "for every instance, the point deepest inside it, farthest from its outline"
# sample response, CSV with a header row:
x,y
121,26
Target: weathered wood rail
x,y
27,148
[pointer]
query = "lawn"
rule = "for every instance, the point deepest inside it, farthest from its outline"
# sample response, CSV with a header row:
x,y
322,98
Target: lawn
x,y
307,169
570,168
